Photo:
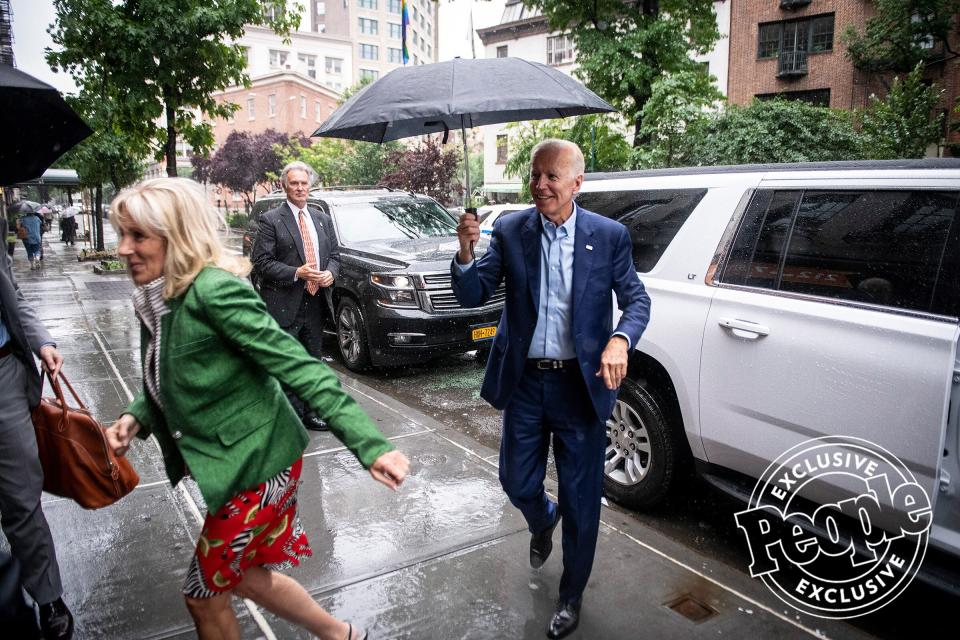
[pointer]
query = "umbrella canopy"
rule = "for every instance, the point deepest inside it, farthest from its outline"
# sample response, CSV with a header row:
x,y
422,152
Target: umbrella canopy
x,y
29,206
38,126
458,94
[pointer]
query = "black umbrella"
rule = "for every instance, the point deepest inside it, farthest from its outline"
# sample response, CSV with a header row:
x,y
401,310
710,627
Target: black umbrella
x,y
38,127
459,93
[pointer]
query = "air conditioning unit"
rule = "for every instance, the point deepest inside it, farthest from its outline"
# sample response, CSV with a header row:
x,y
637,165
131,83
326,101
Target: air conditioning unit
x,y
790,5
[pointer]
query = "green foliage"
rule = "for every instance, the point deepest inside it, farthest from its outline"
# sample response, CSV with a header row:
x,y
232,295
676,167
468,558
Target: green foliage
x,y
342,162
352,90
899,35
771,131
602,143
623,48
237,219
903,124
164,58
678,102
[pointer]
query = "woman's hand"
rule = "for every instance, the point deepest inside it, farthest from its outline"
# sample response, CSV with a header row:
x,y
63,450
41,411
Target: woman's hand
x,y
121,432
390,469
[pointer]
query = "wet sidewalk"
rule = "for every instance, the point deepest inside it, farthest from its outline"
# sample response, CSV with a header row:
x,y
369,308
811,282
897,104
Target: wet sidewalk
x,y
445,557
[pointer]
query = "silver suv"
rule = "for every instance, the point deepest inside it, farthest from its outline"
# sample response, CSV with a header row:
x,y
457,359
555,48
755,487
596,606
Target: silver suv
x,y
790,302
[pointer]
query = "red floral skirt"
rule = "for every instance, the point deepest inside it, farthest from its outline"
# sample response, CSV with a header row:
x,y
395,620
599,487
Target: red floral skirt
x,y
256,527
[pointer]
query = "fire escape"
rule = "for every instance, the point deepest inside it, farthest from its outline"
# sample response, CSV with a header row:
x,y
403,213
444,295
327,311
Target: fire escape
x,y
6,34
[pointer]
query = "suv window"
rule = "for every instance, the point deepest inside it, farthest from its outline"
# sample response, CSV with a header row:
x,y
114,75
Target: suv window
x,y
388,219
882,247
653,218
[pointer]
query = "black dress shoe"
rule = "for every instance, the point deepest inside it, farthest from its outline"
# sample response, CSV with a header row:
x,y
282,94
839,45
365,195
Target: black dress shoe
x,y
541,544
565,620
56,622
315,423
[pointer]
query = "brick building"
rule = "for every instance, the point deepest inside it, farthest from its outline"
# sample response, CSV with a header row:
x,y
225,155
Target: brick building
x,y
793,48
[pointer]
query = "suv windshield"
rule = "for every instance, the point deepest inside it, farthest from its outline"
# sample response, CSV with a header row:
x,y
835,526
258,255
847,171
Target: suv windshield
x,y
390,219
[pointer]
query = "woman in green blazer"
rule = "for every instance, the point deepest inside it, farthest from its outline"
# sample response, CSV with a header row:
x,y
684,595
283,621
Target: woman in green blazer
x,y
213,362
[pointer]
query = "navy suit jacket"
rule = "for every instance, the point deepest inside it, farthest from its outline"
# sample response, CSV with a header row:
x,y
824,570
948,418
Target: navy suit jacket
x,y
602,262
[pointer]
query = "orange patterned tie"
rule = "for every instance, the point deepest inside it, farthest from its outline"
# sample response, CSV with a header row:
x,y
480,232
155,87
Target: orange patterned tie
x,y
308,250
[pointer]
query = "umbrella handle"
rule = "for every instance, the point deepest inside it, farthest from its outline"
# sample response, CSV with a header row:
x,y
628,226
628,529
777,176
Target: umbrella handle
x,y
476,216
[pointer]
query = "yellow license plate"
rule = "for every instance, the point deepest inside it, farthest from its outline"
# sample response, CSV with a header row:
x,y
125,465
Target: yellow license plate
x,y
483,333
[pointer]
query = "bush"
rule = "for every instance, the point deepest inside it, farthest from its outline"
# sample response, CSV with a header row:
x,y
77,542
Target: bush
x,y
237,219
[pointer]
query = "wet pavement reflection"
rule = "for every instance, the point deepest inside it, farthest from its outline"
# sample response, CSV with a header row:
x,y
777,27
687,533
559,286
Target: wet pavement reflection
x,y
445,557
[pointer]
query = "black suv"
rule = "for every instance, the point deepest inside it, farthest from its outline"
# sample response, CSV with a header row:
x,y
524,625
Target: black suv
x,y
393,303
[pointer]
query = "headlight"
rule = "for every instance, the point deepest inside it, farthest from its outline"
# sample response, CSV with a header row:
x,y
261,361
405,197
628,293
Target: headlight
x,y
394,290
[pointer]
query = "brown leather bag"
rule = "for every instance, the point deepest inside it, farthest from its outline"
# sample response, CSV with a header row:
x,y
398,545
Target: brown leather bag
x,y
77,461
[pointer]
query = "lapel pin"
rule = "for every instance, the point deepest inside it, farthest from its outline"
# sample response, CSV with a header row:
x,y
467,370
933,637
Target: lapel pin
x,y
589,247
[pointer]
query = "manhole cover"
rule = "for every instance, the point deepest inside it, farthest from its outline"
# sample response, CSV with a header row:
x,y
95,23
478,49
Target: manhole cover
x,y
691,608
111,290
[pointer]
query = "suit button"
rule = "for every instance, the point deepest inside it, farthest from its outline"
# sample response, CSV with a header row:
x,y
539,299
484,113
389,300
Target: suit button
x,y
177,435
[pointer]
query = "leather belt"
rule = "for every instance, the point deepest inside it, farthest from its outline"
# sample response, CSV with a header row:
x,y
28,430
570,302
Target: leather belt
x,y
546,364
6,350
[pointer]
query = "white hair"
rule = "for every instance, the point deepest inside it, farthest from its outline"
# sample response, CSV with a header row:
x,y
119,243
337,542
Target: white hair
x,y
297,165
556,144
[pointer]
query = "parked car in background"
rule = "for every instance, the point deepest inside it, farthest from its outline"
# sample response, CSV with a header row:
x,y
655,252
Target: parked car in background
x,y
790,302
488,214
393,301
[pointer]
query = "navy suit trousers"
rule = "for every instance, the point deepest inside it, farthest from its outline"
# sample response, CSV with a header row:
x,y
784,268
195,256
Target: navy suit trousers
x,y
555,405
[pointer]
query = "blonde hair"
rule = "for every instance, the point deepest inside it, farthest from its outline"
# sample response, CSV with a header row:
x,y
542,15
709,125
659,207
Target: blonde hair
x,y
177,210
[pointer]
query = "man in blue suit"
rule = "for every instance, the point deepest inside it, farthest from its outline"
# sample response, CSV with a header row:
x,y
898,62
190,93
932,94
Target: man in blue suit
x,y
556,361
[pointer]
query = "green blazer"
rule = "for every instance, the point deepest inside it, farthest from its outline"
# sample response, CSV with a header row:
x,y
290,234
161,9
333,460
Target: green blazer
x,y
222,361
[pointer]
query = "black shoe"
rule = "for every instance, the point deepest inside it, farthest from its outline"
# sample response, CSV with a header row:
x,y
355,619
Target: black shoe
x,y
315,423
541,544
565,620
56,622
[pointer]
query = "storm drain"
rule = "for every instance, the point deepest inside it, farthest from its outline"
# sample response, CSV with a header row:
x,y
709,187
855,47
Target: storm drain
x,y
111,290
691,608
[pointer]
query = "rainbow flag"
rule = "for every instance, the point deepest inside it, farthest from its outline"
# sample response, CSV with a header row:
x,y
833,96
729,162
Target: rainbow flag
x,y
404,22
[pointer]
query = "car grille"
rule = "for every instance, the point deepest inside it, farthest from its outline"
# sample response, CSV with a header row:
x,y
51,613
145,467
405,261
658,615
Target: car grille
x,y
438,294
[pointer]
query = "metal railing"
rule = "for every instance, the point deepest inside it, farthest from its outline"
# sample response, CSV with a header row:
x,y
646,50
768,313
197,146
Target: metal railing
x,y
792,63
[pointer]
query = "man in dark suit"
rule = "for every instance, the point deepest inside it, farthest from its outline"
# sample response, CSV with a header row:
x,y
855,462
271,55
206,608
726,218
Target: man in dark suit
x,y
21,478
295,258
556,361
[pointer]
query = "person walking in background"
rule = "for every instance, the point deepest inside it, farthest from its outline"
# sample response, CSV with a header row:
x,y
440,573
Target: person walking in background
x,y
296,259
68,225
214,361
32,224
556,361
21,478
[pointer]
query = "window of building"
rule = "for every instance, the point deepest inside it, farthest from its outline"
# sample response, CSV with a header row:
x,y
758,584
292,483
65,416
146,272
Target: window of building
x,y
819,97
245,52
393,6
274,10
396,31
883,247
369,27
559,50
416,59
369,73
303,106
317,111
429,28
502,51
394,55
251,111
333,66
501,149
309,64
272,104
278,59
429,51
320,27
369,52
367,4
812,35
321,8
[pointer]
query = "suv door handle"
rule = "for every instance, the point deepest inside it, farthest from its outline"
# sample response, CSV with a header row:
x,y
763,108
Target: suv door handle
x,y
744,328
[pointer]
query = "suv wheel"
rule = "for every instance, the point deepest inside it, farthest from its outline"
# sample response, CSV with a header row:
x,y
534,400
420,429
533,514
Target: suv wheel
x,y
641,456
352,336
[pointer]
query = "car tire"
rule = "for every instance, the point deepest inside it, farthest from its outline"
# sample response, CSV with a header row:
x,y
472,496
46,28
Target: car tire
x,y
352,336
641,458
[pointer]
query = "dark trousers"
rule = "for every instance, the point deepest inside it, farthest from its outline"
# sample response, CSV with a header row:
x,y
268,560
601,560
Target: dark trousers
x,y
555,405
307,327
21,482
